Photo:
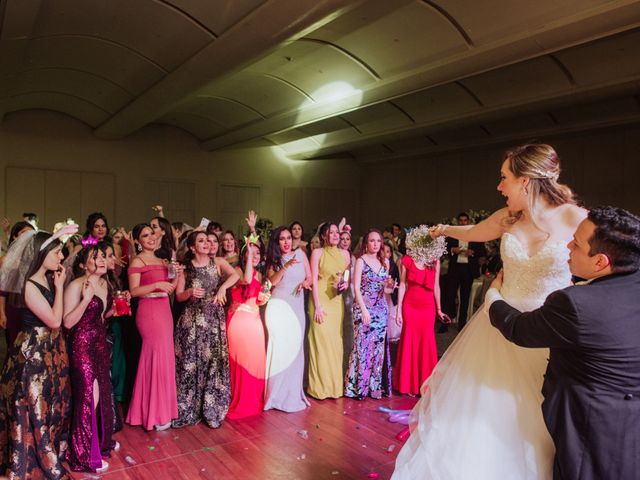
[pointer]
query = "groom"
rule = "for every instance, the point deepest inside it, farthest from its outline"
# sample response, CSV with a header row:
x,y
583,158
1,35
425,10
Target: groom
x,y
592,385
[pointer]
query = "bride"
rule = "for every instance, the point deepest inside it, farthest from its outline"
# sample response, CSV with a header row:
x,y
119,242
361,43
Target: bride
x,y
479,416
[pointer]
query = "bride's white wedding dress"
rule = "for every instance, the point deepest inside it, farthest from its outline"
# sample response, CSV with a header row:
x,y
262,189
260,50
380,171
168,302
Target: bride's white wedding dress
x,y
479,416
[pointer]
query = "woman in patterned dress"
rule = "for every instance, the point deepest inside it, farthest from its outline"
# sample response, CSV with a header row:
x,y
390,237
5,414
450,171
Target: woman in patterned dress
x,y
202,359
35,396
369,372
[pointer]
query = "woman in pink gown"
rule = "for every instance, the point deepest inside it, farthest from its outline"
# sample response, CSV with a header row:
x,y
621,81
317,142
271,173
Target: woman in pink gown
x,y
245,334
418,302
153,402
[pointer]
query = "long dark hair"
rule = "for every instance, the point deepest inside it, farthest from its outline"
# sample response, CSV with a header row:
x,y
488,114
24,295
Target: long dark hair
x,y
168,241
292,224
38,259
91,221
113,282
243,255
363,247
16,229
323,230
191,242
274,255
80,262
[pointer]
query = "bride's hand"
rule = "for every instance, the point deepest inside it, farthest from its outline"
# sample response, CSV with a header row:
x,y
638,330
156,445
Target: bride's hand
x,y
497,282
437,231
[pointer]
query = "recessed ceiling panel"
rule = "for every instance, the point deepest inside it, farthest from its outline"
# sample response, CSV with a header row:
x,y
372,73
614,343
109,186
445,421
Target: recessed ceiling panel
x,y
76,107
216,15
610,108
154,29
264,94
331,124
442,102
311,66
198,125
120,64
226,112
520,124
459,136
493,20
521,81
379,117
406,38
100,91
604,60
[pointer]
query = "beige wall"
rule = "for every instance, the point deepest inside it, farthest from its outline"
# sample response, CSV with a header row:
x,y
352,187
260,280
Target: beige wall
x,y
48,140
602,168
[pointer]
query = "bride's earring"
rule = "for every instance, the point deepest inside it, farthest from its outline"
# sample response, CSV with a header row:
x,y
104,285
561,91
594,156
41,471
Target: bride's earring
x,y
138,247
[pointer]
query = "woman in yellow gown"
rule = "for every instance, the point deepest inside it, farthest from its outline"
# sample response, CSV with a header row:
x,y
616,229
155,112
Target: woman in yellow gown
x,y
326,376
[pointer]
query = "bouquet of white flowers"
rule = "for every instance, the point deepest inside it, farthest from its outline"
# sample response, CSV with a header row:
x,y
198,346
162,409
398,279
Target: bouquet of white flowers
x,y
422,248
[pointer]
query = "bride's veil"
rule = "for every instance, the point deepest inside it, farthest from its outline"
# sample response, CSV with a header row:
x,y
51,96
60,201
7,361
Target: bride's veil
x,y
16,263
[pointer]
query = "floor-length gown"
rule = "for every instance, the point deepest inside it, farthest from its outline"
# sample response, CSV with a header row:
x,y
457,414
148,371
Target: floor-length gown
x,y
35,400
91,425
247,352
369,372
326,379
417,351
479,416
153,401
202,358
285,320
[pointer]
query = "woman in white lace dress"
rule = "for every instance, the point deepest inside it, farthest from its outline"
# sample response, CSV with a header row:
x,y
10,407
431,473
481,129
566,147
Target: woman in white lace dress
x,y
479,416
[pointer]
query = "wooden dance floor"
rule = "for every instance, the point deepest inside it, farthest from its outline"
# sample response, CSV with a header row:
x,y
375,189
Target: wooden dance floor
x,y
333,439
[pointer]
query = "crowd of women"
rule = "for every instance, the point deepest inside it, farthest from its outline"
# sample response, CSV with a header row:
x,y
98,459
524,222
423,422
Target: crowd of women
x,y
191,345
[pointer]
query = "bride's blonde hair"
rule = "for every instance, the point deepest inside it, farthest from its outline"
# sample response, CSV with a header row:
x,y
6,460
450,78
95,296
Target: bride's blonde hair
x,y
540,164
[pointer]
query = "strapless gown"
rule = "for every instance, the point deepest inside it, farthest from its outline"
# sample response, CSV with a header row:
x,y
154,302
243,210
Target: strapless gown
x,y
479,416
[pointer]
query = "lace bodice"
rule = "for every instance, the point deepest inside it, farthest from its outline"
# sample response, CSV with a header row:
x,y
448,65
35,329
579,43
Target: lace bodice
x,y
529,280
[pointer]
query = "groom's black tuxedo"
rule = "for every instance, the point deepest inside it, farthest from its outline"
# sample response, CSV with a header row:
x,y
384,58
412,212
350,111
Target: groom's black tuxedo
x,y
592,385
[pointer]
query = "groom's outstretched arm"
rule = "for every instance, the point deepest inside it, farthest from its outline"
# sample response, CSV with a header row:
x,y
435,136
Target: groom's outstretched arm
x,y
552,325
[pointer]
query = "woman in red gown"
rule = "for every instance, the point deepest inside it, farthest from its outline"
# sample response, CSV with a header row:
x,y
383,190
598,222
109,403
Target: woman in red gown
x,y
245,334
418,302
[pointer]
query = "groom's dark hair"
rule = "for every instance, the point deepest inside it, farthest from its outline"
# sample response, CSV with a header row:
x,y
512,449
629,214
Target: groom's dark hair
x,y
617,236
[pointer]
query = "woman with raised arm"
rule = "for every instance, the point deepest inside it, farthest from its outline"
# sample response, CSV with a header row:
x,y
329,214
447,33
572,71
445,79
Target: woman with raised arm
x,y
87,301
245,332
289,272
479,416
35,394
326,308
202,358
153,402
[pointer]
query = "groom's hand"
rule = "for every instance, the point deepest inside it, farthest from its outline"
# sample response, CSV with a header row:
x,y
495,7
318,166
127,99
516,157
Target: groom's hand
x,y
497,282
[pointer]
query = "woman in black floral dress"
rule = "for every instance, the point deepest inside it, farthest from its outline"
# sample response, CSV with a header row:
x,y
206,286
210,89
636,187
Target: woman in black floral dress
x,y
202,359
35,391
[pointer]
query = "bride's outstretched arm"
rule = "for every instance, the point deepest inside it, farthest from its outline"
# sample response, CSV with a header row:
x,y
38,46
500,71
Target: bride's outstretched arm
x,y
488,229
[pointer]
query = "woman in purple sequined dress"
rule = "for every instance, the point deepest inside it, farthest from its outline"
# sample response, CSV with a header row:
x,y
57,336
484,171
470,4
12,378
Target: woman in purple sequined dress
x,y
86,300
369,372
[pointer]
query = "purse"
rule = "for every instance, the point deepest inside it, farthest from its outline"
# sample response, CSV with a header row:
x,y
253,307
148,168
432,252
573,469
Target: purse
x,y
444,319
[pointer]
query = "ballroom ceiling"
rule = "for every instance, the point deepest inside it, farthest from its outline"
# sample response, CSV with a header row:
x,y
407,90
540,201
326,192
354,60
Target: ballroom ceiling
x,y
371,80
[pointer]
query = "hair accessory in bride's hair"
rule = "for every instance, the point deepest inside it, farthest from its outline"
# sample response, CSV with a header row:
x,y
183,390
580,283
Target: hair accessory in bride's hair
x,y
422,248
547,174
